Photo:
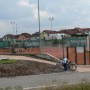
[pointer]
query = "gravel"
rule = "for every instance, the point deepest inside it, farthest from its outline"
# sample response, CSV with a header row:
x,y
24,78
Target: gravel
x,y
22,68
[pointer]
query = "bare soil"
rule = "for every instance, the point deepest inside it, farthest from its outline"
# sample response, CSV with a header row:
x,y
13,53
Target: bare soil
x,y
22,68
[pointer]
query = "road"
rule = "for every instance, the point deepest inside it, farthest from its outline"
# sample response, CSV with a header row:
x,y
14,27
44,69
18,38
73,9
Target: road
x,y
42,80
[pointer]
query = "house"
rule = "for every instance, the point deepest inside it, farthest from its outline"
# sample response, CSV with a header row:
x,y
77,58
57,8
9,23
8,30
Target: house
x,y
49,35
35,36
78,31
16,39
24,36
8,37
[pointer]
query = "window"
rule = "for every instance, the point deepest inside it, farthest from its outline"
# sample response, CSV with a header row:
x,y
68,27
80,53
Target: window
x,y
61,35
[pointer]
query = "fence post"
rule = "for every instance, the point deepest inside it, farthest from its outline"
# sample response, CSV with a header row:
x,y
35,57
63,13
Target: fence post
x,y
84,56
67,52
75,55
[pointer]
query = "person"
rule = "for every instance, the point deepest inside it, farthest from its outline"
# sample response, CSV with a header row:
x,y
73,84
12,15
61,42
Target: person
x,y
65,62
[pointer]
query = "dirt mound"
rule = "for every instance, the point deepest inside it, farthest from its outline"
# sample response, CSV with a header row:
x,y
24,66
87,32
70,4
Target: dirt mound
x,y
22,68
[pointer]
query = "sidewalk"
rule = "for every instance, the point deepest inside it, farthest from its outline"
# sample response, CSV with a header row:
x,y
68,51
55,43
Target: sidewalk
x,y
83,68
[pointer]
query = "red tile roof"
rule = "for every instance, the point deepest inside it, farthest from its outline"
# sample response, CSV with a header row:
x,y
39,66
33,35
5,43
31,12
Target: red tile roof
x,y
17,36
36,34
9,35
26,34
50,31
75,30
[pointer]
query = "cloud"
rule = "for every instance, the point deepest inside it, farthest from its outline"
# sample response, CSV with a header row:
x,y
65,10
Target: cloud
x,y
24,3
2,25
34,9
66,13
43,14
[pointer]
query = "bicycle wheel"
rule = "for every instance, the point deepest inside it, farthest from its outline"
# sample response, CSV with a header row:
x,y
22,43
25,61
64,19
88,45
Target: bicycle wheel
x,y
73,67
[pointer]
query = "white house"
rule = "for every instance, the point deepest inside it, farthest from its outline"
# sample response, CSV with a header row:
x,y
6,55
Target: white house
x,y
49,35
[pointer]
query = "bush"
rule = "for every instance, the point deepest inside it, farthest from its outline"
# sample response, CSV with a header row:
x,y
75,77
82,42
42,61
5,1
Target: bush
x,y
55,41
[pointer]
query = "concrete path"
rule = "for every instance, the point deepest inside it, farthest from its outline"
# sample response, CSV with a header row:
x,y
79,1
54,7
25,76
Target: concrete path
x,y
25,58
42,80
83,68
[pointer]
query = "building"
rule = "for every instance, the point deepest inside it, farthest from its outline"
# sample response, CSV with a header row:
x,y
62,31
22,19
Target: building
x,y
35,36
24,36
16,40
49,35
80,31
8,37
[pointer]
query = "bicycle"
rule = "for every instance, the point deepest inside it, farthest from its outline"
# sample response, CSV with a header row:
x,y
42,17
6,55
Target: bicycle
x,y
70,66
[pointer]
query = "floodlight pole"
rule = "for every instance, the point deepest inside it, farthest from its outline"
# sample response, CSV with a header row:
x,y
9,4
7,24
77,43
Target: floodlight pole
x,y
16,29
51,19
13,26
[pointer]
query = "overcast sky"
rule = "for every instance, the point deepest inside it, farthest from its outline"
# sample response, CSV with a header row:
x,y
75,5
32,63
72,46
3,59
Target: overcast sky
x,y
66,13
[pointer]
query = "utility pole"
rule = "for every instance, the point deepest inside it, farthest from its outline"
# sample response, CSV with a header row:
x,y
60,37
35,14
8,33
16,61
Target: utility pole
x,y
13,23
39,26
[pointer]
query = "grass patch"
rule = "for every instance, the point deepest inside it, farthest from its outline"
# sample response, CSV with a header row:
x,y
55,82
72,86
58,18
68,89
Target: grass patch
x,y
82,86
7,61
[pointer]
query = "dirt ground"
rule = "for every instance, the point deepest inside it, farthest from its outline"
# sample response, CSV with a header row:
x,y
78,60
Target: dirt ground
x,y
22,68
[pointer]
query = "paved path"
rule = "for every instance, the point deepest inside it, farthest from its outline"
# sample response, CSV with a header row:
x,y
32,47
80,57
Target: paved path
x,y
42,80
83,68
25,58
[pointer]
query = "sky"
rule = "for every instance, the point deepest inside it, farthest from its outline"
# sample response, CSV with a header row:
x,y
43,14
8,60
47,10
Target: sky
x,y
66,13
